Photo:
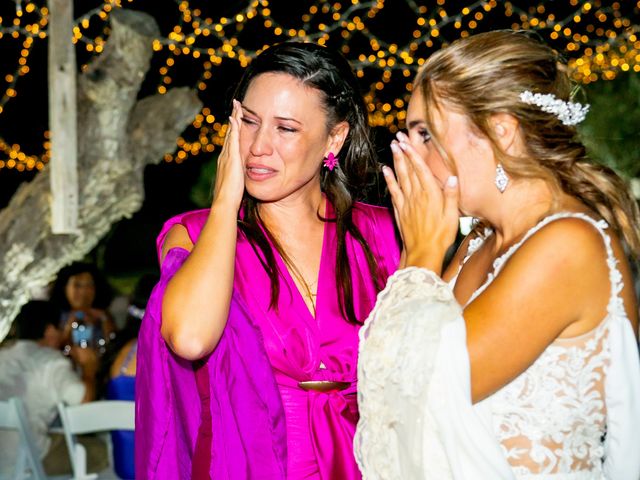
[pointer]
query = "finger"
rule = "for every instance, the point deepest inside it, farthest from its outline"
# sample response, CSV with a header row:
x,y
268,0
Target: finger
x,y
409,151
423,175
222,160
234,140
226,140
236,106
451,196
402,173
236,121
397,196
237,110
414,179
232,133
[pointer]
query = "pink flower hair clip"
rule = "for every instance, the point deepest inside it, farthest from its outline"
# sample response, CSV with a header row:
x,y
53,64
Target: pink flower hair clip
x,y
331,161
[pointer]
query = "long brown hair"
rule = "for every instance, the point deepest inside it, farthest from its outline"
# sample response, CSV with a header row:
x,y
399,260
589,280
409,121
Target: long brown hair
x,y
328,72
485,74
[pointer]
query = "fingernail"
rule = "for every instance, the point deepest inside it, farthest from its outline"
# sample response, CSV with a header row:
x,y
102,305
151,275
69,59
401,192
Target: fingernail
x,y
402,136
386,171
395,148
403,145
452,181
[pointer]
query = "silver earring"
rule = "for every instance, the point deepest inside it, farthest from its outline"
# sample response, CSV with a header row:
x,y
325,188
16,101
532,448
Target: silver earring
x,y
501,178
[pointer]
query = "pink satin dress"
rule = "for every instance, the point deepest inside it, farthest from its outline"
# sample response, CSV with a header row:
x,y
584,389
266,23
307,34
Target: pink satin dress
x,y
320,425
218,402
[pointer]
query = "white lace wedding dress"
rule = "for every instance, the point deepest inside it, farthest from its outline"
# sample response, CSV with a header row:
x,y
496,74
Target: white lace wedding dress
x,y
574,414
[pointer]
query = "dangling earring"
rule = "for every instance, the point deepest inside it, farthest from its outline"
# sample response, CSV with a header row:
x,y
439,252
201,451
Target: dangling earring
x,y
501,178
331,161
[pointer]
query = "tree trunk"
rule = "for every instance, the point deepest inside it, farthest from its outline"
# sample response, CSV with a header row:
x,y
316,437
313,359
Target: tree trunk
x,y
63,123
117,137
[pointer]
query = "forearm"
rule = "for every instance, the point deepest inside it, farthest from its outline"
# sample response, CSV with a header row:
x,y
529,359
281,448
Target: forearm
x,y
89,380
196,302
89,369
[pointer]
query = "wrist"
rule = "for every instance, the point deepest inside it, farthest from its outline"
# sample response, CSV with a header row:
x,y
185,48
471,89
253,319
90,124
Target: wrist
x,y
227,200
425,260
224,208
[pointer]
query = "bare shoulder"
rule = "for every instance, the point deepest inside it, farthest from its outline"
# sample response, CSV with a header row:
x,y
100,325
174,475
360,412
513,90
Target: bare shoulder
x,y
177,237
564,263
556,284
569,241
565,257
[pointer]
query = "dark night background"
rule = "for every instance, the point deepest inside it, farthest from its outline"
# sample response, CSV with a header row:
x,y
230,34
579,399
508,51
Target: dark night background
x,y
129,249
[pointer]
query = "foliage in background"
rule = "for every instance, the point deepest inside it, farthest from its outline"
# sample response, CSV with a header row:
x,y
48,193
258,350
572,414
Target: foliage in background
x,y
611,130
202,192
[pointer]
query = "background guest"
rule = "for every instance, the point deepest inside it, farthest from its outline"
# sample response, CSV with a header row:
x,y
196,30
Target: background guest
x,y
82,294
34,369
118,371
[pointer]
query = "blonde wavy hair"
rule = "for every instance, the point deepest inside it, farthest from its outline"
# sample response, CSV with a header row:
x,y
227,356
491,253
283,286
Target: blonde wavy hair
x,y
485,74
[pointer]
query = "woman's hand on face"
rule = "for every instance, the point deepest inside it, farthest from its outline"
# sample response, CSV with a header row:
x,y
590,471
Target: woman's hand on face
x,y
427,215
229,185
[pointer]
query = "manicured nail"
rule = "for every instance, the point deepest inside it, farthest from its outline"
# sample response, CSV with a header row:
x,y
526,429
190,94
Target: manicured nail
x,y
452,181
386,171
395,148
403,145
402,137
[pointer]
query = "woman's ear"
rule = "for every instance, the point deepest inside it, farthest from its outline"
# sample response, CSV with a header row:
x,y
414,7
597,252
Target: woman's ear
x,y
337,136
506,130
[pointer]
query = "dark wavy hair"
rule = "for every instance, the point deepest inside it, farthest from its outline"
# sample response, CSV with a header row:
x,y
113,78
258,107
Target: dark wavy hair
x,y
33,319
329,73
104,292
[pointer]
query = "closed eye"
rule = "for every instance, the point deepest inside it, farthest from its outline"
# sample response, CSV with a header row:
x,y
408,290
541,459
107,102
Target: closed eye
x,y
287,129
248,121
425,135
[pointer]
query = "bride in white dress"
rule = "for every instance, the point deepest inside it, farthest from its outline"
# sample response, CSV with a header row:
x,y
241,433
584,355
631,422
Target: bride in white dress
x,y
521,359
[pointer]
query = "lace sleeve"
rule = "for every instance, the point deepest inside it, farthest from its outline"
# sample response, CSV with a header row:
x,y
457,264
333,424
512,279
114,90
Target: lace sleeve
x,y
406,320
621,459
414,389
398,349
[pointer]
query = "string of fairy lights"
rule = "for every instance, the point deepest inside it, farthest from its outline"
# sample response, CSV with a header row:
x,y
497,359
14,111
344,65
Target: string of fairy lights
x,y
385,41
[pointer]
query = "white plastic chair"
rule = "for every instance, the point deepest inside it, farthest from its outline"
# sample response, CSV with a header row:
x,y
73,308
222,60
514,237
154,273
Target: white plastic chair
x,y
13,417
93,417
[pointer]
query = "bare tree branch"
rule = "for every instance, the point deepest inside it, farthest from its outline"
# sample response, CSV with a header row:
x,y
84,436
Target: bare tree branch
x,y
117,137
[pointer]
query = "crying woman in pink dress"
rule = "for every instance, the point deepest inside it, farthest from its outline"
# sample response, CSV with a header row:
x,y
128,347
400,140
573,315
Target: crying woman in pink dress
x,y
248,352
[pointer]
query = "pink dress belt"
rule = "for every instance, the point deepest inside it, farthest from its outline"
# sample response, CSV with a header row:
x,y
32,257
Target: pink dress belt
x,y
321,421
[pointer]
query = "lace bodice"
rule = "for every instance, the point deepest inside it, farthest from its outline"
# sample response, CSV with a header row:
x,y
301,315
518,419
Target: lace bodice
x,y
552,418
